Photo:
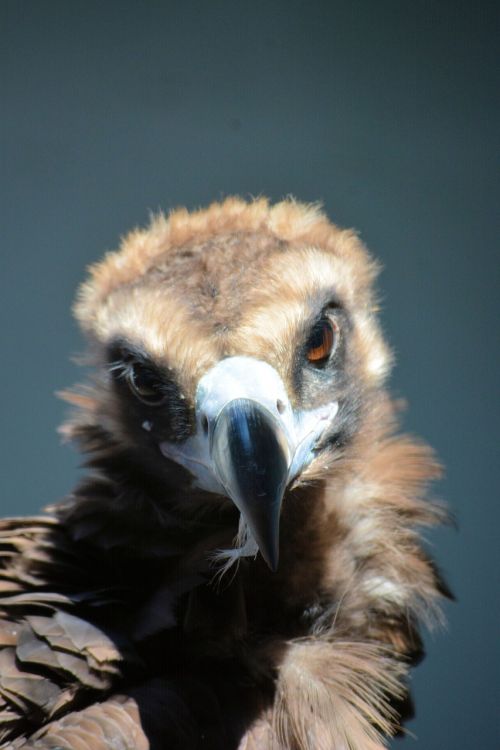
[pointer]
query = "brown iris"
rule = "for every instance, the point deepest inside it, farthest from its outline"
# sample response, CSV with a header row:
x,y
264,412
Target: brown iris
x,y
322,341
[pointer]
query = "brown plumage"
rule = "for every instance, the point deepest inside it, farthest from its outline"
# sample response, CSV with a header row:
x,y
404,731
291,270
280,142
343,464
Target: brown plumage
x,y
238,390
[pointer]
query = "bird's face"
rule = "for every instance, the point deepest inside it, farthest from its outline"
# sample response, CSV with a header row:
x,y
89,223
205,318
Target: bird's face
x,y
243,358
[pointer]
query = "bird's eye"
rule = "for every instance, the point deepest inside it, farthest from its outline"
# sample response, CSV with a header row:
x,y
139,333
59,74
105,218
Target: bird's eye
x,y
322,341
145,384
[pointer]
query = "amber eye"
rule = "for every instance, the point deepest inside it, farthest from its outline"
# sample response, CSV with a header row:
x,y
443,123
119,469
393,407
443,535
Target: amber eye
x,y
322,341
145,384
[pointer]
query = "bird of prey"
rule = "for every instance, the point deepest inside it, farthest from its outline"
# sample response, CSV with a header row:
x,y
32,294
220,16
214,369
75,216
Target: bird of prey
x,y
241,566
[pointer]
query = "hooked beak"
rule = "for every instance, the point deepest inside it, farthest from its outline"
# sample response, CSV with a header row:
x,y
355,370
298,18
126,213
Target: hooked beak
x,y
250,456
250,444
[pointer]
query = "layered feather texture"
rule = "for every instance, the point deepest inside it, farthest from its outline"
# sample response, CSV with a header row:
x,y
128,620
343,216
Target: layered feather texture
x,y
118,629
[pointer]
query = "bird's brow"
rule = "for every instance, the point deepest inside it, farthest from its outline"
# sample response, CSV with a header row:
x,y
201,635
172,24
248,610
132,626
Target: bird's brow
x,y
122,356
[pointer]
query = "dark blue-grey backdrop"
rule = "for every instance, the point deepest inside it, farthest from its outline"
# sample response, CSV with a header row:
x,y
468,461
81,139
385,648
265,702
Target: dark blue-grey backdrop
x,y
382,110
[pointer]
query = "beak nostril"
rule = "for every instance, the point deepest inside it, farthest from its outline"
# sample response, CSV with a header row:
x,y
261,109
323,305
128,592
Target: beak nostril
x,y
280,406
204,424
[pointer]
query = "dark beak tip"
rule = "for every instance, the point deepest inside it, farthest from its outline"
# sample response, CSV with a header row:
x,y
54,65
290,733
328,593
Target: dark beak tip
x,y
273,566
271,558
251,463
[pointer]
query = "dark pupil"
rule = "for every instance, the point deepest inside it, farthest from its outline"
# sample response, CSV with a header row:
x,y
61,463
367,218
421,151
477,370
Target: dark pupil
x,y
317,340
146,384
320,343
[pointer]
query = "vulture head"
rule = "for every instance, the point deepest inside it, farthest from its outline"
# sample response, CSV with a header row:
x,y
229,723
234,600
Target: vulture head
x,y
238,358
249,502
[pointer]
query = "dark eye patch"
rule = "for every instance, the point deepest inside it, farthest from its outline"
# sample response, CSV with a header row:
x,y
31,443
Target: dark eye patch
x,y
145,380
145,384
148,392
319,361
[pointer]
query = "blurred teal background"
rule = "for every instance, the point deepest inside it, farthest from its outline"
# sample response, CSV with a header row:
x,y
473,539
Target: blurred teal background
x,y
385,111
